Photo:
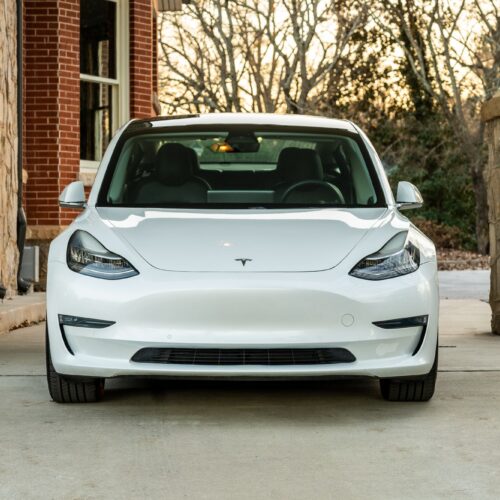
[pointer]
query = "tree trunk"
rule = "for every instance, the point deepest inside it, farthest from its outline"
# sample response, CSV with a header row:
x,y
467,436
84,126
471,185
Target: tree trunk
x,y
8,147
472,144
480,195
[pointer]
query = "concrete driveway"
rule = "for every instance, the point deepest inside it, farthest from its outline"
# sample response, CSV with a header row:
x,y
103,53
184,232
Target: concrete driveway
x,y
199,440
464,284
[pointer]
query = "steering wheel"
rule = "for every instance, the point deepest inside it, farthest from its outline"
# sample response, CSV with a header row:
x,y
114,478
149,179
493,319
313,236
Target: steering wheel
x,y
330,187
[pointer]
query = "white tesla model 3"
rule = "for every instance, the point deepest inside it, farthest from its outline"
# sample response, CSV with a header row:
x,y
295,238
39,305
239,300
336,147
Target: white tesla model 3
x,y
242,246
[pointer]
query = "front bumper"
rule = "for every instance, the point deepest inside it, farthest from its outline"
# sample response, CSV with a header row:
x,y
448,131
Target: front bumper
x,y
254,310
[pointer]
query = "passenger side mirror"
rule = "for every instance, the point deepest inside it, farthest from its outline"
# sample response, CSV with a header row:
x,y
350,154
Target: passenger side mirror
x,y
408,196
73,196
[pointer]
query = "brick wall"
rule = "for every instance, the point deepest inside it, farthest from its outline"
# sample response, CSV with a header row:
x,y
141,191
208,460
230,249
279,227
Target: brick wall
x,y
69,97
154,42
52,99
141,58
51,106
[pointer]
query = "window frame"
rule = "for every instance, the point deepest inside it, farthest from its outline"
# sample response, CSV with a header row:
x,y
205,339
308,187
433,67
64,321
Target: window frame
x,y
120,86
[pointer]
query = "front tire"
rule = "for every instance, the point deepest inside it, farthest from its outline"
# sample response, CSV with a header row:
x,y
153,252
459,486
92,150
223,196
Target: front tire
x,y
410,388
63,390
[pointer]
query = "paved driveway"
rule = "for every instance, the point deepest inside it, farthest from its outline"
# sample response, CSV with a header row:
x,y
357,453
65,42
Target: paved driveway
x,y
257,441
464,284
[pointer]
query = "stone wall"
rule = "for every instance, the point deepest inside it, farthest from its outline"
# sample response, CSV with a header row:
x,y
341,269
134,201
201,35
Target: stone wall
x,y
8,146
491,115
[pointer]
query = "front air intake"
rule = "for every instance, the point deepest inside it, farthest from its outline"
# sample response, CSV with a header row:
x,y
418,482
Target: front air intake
x,y
267,357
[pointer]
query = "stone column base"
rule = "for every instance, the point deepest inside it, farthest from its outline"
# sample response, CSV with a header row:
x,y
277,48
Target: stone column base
x,y
495,324
42,236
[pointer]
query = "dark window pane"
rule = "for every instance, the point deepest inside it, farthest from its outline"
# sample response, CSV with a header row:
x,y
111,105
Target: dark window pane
x,y
96,115
98,38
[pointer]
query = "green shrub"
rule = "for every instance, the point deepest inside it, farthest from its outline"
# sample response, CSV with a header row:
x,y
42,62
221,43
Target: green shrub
x,y
425,153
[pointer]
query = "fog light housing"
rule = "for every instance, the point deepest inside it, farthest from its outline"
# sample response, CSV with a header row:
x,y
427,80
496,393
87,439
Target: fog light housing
x,y
403,322
68,320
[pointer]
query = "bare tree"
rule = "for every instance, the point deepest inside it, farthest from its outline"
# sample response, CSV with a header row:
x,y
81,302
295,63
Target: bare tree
x,y
433,59
239,55
440,42
482,46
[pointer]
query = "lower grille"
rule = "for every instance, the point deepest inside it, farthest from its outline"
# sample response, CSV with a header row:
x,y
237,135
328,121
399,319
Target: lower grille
x,y
268,357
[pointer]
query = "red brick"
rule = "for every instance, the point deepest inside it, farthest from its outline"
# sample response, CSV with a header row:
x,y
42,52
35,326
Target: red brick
x,y
51,27
142,58
52,96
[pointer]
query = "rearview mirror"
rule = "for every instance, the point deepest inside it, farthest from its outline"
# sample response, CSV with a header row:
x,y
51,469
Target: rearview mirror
x,y
245,142
73,196
408,196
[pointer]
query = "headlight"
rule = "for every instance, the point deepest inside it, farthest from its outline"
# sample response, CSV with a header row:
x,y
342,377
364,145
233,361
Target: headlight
x,y
397,257
87,256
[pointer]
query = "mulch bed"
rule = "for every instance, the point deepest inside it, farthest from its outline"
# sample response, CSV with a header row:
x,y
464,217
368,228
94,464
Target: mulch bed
x,y
460,260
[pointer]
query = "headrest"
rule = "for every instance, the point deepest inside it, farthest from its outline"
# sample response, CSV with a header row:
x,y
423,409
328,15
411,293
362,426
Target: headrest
x,y
296,164
173,165
285,158
135,159
195,162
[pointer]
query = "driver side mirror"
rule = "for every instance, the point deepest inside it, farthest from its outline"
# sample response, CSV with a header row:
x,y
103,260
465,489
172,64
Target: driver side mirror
x,y
73,196
408,196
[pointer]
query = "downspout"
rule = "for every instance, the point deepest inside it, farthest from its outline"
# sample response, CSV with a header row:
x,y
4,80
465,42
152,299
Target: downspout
x,y
22,285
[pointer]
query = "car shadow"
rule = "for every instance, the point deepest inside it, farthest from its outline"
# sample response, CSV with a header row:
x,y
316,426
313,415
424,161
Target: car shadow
x,y
213,402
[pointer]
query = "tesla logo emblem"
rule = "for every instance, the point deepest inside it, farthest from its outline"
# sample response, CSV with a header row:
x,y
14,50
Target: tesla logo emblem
x,y
243,261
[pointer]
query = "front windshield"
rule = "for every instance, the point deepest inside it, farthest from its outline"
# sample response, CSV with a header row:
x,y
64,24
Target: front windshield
x,y
241,169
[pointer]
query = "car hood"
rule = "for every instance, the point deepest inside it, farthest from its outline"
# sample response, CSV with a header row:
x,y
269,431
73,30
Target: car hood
x,y
232,241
